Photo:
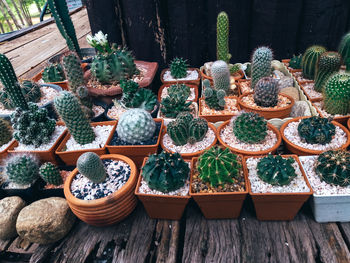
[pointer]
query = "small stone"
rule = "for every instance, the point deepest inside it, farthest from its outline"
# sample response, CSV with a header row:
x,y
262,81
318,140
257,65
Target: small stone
x,y
300,109
9,210
291,91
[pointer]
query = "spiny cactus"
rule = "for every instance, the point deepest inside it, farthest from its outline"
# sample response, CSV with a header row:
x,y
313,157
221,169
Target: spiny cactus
x,y
129,88
222,33
214,99
68,107
165,172
5,132
328,63
178,68
218,166
276,170
50,173
53,73
234,68
144,99
295,61
22,169
261,64
333,167
337,94
172,106
266,92
310,59
344,50
221,75
90,165
316,130
249,127
179,88
135,126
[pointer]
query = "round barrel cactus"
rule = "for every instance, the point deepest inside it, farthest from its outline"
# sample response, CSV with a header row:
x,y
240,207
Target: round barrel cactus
x,y
90,165
22,169
266,92
344,50
50,173
310,59
328,63
178,68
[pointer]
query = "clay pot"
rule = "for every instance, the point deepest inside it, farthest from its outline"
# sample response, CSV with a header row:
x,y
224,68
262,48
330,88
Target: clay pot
x,y
71,157
349,124
340,119
308,96
194,82
218,205
136,152
189,156
107,210
303,151
268,113
4,153
278,206
242,82
291,70
195,87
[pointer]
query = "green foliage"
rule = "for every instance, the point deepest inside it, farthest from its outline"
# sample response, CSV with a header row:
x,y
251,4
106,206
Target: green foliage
x,y
90,165
50,173
234,68
53,73
178,68
221,75
310,59
179,88
328,63
171,106
261,64
222,34
5,132
144,99
295,61
344,50
22,169
266,92
129,88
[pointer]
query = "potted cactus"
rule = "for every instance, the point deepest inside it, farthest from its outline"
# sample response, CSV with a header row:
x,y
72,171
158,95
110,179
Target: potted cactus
x,y
188,136
163,186
314,135
278,186
6,138
293,64
100,191
190,89
343,49
218,184
137,135
82,136
179,72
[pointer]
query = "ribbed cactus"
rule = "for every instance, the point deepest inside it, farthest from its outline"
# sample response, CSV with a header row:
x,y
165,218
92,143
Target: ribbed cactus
x,y
266,92
337,94
310,59
222,34
68,107
261,64
59,11
344,50
53,73
178,68
129,88
214,99
144,99
328,63
22,169
50,173
171,106
5,132
179,88
218,166
90,165
135,126
165,172
221,75
295,62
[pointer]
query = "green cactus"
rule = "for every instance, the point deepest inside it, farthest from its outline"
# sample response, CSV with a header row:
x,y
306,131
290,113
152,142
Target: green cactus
x,y
73,71
336,94
333,167
69,109
178,68
261,64
221,75
316,130
53,73
295,61
222,33
310,59
172,106
90,165
328,63
129,88
135,126
250,127
144,99
214,99
5,132
60,12
218,166
165,172
50,173
22,169
276,170
344,50
179,88
234,68
266,92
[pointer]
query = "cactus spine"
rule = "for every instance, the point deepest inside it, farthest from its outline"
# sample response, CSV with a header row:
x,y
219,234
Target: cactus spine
x,y
90,165
328,63
53,73
178,68
214,99
22,169
310,59
295,62
266,92
222,34
344,50
261,64
221,75
5,132
50,173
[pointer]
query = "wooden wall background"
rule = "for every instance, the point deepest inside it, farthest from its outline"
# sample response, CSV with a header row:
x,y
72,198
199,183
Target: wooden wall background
x,y
158,30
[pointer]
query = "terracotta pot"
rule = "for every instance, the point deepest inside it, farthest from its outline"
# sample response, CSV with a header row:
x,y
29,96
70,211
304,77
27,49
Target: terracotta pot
x,y
291,70
71,157
218,205
107,210
349,124
137,152
268,113
238,75
240,82
278,206
303,151
340,119
4,153
216,118
169,207
308,96
194,82
189,156
298,80
195,87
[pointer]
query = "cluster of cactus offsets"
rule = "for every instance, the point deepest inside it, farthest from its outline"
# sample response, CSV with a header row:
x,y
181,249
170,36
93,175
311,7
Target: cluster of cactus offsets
x,y
276,170
333,167
50,173
218,166
90,165
261,64
310,59
5,132
64,24
186,129
32,126
249,127
344,50
171,106
328,63
234,68
316,130
165,172
53,73
336,94
129,88
179,88
22,169
295,61
266,92
144,99
135,126
214,99
178,68
221,75
68,107
222,33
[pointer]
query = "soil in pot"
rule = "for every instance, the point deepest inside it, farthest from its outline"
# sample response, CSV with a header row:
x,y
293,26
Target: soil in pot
x,y
245,86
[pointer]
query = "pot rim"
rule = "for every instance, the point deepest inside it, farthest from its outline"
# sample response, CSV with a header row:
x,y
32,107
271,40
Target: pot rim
x,y
189,81
339,118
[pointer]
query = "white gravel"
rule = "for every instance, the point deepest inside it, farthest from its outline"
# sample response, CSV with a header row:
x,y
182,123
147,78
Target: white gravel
x,y
311,92
191,75
3,147
116,111
324,113
98,110
297,185
291,133
165,93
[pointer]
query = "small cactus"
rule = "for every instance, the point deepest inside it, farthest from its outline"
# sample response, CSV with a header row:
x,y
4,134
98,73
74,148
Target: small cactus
x,y
310,59
295,61
129,88
222,34
53,73
144,99
178,68
344,50
328,63
50,173
261,64
22,169
90,165
171,106
214,99
5,132
221,75
266,92
179,88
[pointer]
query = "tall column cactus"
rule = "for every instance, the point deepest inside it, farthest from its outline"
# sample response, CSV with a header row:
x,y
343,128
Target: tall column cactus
x,y
222,34
328,63
344,50
261,64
